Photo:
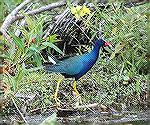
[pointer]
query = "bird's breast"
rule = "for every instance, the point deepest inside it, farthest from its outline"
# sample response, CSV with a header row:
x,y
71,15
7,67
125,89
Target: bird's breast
x,y
87,65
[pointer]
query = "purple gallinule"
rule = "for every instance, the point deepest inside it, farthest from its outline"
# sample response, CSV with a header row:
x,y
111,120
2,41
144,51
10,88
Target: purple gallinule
x,y
77,66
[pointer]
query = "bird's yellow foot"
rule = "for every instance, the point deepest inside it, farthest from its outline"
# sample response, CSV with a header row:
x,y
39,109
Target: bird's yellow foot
x,y
78,101
56,93
57,101
78,97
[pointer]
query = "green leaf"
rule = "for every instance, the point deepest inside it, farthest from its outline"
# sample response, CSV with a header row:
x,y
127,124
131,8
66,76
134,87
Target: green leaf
x,y
126,78
138,87
29,54
19,75
19,42
12,82
37,59
52,46
129,63
112,56
41,47
29,21
34,48
17,1
117,50
34,69
2,12
52,38
51,120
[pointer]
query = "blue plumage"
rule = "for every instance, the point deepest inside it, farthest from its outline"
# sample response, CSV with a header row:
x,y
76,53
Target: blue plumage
x,y
77,66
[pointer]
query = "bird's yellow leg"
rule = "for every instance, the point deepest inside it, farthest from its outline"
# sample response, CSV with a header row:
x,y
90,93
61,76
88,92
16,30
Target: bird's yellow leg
x,y
79,101
56,92
75,88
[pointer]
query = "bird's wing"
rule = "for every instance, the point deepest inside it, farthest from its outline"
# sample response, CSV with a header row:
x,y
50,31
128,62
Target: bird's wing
x,y
70,66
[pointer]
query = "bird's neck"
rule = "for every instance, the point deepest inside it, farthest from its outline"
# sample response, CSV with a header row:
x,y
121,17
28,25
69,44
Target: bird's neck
x,y
95,51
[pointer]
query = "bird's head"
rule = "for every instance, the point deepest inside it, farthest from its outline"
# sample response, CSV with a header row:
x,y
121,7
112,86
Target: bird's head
x,y
101,42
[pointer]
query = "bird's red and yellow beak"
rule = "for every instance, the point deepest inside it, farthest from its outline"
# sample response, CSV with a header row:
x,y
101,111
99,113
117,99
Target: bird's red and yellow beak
x,y
109,45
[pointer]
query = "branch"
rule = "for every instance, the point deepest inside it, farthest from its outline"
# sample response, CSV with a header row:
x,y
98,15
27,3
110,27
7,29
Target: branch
x,y
12,17
46,8
19,111
60,18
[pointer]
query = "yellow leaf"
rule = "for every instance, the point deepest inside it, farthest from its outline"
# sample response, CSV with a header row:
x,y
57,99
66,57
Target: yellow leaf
x,y
80,11
86,10
78,8
77,16
73,10
114,30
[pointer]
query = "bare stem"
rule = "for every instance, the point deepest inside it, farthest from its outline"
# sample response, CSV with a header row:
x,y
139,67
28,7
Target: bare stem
x,y
19,112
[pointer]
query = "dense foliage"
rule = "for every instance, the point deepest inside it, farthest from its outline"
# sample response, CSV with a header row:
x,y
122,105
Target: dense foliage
x,y
118,78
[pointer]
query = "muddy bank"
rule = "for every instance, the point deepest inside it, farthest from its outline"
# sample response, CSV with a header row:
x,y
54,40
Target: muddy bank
x,y
78,116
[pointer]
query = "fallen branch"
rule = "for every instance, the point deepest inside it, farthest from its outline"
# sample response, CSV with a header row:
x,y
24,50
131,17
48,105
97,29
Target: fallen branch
x,y
23,21
45,8
12,17
60,18
87,106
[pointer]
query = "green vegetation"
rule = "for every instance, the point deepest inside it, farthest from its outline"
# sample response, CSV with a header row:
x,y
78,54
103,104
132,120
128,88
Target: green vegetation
x,y
118,78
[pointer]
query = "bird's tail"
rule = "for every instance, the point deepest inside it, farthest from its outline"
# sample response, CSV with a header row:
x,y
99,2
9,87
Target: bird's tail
x,y
49,67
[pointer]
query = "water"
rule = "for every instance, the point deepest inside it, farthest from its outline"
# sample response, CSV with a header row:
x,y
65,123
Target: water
x,y
142,118
126,123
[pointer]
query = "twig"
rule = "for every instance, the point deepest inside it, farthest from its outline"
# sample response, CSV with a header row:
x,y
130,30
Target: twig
x,y
46,8
19,111
101,24
60,18
47,107
81,30
12,17
23,22
87,106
